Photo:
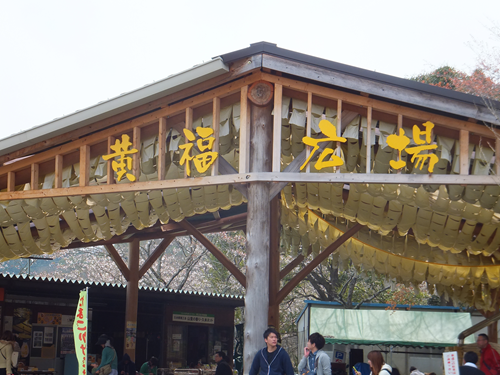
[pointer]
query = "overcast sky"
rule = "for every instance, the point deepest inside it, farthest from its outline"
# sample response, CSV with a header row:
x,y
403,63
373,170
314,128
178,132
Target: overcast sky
x,y
57,57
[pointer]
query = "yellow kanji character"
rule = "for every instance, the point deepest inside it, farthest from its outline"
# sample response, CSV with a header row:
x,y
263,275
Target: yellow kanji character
x,y
124,163
427,132
328,129
416,151
398,142
204,160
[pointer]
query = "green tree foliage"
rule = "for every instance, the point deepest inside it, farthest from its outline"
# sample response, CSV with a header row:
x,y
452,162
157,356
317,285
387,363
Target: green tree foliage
x,y
477,83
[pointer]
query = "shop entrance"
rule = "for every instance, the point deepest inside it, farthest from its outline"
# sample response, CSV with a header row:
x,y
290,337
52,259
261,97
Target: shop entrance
x,y
197,345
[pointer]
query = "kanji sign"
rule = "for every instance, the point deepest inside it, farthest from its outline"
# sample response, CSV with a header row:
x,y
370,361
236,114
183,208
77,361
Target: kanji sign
x,y
193,318
124,163
422,139
80,333
205,143
401,141
450,360
328,129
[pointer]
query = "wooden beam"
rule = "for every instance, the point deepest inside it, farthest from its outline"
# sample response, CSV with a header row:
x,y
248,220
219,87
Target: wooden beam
x,y
308,127
369,141
244,132
278,103
258,233
237,69
497,156
35,176
464,152
400,126
279,179
136,158
339,128
379,88
294,263
162,139
109,165
274,264
395,109
162,246
316,261
216,127
226,168
11,182
147,119
188,124
58,171
84,165
215,251
118,261
132,302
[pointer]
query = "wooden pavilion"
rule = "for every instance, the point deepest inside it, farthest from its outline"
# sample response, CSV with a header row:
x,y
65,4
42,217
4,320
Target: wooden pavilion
x,y
395,175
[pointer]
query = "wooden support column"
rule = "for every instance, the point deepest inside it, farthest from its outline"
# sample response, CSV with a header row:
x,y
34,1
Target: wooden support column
x,y
132,297
260,95
274,265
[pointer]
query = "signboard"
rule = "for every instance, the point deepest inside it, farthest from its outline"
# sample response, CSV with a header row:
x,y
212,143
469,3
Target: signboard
x,y
193,318
131,333
80,333
339,356
450,360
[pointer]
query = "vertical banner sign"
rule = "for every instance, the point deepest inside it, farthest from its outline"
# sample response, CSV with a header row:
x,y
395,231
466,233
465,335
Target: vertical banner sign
x,y
450,360
80,333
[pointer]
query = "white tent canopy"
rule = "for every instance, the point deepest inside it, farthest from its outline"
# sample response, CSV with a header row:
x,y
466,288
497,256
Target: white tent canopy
x,y
390,327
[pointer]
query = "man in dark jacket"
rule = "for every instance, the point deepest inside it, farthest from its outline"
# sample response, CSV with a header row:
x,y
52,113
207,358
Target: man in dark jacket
x,y
469,367
273,359
223,367
126,366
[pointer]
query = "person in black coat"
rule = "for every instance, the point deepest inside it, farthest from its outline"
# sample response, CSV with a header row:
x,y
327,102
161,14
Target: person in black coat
x,y
126,366
223,367
469,367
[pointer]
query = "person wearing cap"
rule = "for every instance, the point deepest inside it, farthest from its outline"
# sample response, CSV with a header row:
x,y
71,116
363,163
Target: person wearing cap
x,y
108,356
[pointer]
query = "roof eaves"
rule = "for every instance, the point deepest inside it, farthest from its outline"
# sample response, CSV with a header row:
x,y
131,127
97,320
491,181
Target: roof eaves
x,y
273,49
102,110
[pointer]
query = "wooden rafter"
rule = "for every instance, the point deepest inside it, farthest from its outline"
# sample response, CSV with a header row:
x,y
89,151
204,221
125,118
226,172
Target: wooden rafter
x,y
155,255
316,261
215,252
118,261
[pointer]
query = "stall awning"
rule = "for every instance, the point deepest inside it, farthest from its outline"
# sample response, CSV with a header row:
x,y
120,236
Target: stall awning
x,y
389,327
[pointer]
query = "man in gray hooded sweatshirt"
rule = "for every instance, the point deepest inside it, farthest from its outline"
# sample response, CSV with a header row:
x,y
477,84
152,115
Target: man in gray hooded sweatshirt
x,y
315,360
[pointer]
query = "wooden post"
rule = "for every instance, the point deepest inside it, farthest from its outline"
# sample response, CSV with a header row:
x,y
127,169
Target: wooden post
x,y
493,332
464,152
258,221
274,265
132,298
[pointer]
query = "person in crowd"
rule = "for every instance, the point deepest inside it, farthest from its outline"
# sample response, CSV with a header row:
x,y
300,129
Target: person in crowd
x,y
361,368
150,367
315,360
223,367
395,371
470,365
490,359
6,349
108,356
272,359
126,366
377,364
415,371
